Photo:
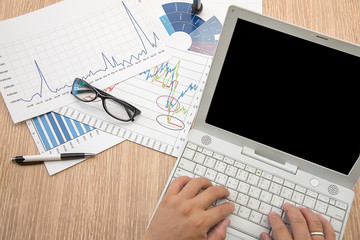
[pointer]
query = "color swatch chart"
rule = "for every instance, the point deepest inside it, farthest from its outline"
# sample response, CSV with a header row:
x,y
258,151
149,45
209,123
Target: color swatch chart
x,y
204,34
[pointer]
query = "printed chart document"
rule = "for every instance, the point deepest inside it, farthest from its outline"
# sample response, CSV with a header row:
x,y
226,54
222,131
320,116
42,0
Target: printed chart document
x,y
41,53
55,134
168,96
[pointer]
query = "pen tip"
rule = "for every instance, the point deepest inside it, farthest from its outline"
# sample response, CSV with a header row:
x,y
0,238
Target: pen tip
x,y
88,155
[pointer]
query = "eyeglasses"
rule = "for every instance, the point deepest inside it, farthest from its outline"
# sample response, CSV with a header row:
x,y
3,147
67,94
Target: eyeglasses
x,y
115,107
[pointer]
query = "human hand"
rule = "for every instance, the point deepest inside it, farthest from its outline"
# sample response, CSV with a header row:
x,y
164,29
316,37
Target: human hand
x,y
303,222
183,212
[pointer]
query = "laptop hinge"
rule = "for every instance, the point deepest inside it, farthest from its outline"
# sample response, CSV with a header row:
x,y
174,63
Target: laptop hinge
x,y
287,166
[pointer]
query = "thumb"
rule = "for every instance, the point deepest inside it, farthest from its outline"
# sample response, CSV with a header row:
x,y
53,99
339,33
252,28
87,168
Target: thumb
x,y
218,232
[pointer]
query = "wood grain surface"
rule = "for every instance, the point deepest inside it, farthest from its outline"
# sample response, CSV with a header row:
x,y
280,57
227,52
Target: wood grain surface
x,y
113,195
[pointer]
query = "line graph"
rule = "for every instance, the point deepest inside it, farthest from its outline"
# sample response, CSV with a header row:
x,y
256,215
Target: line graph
x,y
168,96
103,46
43,82
167,76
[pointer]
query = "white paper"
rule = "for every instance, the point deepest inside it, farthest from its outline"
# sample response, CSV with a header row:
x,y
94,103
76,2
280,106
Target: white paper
x,y
41,53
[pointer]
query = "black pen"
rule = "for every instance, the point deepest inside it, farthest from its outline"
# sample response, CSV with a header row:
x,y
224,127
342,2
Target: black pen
x,y
36,159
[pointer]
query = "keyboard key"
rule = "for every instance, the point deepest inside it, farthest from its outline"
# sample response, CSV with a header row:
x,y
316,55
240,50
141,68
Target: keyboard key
x,y
231,170
229,160
233,234
188,153
265,222
278,180
199,158
255,217
239,165
244,212
336,224
253,179
321,207
335,212
181,172
250,169
221,179
300,189
309,202
242,199
253,203
218,156
286,193
191,146
275,188
207,152
254,192
246,226
289,184
210,174
265,196
220,166
243,187
265,208
298,197
311,194
200,170
323,198
233,195
341,205
187,165
232,183
266,175
209,162
242,175
264,184
277,201
277,210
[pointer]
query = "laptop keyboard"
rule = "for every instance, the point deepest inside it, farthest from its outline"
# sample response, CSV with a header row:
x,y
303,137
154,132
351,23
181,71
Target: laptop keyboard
x,y
255,192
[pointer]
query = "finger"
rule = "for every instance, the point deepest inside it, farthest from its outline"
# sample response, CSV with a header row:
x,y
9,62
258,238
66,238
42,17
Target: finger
x,y
211,194
279,229
313,223
194,186
218,213
328,229
177,185
297,221
219,230
265,236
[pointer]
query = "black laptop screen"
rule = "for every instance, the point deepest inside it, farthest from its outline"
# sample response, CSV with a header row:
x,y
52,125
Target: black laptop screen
x,y
290,94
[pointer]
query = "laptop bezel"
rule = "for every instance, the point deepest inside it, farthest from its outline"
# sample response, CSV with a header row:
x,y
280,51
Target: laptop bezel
x,y
233,14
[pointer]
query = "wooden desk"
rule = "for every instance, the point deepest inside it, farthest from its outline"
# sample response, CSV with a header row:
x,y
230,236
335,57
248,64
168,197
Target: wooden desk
x,y
113,195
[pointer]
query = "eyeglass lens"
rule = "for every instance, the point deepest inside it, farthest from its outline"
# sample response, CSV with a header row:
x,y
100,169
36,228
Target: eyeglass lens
x,y
83,91
118,110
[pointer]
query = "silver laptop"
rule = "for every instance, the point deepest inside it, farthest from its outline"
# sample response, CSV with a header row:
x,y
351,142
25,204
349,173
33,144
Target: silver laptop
x,y
278,122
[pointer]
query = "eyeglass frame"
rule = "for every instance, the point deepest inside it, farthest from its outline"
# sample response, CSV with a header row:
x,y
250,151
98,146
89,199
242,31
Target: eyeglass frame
x,y
104,95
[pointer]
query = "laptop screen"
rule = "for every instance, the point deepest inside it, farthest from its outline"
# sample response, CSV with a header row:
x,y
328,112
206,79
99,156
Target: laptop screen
x,y
290,94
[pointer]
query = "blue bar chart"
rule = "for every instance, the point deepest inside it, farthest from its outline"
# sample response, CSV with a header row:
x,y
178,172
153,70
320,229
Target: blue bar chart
x,y
52,130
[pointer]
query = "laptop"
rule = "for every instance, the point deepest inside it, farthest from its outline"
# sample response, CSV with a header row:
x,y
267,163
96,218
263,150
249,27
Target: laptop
x,y
278,122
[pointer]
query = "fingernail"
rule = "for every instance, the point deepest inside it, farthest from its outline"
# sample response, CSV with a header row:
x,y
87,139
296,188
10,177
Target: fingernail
x,y
264,236
227,222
